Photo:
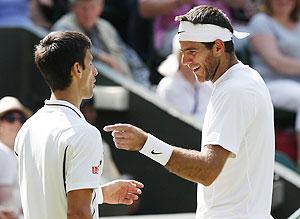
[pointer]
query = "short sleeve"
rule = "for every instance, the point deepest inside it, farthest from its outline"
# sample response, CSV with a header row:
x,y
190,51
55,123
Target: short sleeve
x,y
229,114
260,24
84,158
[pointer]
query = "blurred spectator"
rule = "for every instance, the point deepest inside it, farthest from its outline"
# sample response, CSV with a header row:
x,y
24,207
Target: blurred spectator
x,y
12,115
107,45
124,16
46,12
275,51
180,87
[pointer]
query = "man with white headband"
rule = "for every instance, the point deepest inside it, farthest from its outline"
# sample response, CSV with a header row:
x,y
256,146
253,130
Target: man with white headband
x,y
234,169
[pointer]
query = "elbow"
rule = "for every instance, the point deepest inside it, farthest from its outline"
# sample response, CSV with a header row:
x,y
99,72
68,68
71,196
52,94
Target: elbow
x,y
208,181
275,64
208,178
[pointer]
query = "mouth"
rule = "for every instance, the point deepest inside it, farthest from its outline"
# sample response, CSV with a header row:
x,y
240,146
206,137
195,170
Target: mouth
x,y
195,70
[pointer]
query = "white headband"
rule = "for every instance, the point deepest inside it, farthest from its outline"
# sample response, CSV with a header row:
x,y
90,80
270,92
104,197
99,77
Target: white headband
x,y
205,33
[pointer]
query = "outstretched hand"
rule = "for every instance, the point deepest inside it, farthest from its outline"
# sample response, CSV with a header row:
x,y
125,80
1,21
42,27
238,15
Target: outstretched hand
x,y
121,191
127,137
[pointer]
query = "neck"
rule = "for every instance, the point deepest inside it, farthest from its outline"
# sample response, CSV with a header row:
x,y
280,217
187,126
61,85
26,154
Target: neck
x,y
66,95
8,143
284,21
226,62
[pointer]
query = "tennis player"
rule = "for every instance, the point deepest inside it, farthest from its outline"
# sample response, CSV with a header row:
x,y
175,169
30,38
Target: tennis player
x,y
60,154
234,169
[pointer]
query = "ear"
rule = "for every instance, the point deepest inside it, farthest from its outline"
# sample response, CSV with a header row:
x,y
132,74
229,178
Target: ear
x,y
219,48
76,70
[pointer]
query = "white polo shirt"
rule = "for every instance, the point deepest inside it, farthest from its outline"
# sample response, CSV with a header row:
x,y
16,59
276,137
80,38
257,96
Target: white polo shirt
x,y
58,151
240,119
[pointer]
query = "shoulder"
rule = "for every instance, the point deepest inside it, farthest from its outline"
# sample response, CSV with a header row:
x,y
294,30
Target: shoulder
x,y
83,138
104,24
65,21
260,17
87,130
241,83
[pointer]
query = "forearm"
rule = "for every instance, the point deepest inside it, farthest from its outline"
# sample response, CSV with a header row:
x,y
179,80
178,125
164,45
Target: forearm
x,y
152,8
79,215
266,47
284,64
192,165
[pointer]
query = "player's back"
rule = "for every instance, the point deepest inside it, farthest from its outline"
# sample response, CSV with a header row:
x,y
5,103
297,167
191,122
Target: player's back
x,y
41,146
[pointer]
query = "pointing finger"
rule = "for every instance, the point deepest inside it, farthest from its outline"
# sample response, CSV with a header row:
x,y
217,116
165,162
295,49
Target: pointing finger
x,y
116,127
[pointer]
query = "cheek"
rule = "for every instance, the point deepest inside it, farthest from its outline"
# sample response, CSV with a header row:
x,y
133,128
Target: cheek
x,y
9,129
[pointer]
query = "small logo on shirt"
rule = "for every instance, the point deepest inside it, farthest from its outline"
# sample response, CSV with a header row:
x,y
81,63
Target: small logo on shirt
x,y
95,169
155,152
180,31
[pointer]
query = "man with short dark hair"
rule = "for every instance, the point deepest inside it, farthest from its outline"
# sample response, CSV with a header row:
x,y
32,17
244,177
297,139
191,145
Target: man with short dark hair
x,y
236,162
60,154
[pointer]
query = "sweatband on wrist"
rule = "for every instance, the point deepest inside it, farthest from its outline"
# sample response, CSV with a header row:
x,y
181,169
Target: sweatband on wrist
x,y
205,33
157,150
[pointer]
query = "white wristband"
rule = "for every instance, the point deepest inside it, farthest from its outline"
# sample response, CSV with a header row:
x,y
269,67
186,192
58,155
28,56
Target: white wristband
x,y
157,150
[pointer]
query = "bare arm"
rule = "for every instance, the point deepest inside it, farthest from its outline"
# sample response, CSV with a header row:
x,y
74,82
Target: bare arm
x,y
201,167
267,47
79,204
152,8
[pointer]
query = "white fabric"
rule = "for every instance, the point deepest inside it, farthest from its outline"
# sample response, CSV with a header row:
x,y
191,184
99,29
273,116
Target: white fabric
x,y
9,176
205,33
239,118
157,150
57,130
177,91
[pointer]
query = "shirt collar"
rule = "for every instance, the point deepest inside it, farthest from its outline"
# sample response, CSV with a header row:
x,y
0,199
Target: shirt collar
x,y
66,104
227,73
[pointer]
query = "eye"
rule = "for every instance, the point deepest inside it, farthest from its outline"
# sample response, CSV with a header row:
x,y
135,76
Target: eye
x,y
192,52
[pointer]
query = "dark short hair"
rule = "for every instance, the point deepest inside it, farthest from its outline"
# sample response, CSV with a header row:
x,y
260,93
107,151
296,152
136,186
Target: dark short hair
x,y
57,53
204,14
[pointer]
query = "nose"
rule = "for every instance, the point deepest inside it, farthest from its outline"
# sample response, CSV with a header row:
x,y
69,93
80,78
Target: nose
x,y
185,59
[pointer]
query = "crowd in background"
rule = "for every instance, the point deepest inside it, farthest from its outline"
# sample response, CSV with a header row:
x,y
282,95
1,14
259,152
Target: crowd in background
x,y
137,39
